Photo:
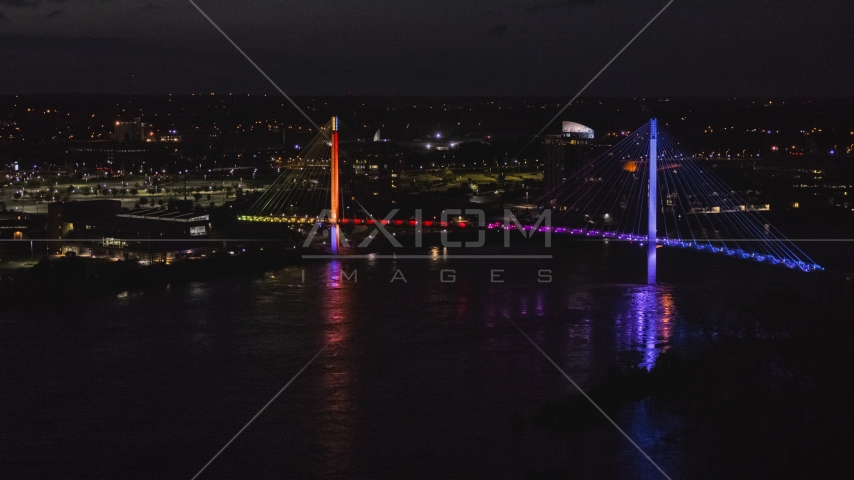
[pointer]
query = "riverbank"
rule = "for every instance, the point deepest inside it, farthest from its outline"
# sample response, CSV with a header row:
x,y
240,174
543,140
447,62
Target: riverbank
x,y
74,279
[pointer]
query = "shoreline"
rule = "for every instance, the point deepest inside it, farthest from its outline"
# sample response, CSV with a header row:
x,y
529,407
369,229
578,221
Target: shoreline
x,y
74,279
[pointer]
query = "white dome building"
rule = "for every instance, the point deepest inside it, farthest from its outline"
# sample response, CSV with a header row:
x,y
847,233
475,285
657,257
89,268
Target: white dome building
x,y
577,130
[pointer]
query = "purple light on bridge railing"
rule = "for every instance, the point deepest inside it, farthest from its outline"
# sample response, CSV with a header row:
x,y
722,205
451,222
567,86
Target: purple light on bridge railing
x,y
577,231
560,230
528,228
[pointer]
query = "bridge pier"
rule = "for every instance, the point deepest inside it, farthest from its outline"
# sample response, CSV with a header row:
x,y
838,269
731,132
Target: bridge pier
x,y
653,203
334,238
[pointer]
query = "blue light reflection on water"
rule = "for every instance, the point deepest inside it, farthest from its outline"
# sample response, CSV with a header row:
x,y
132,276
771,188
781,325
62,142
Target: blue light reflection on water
x,y
647,322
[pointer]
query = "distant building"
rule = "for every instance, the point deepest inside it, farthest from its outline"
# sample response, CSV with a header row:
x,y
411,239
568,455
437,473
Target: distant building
x,y
578,132
563,153
19,226
133,131
126,234
162,223
81,219
170,136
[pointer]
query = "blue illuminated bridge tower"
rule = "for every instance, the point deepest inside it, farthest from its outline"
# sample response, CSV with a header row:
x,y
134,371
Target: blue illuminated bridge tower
x,y
653,203
649,189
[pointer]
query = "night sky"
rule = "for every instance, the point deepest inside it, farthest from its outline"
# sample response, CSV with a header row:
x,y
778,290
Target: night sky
x,y
429,47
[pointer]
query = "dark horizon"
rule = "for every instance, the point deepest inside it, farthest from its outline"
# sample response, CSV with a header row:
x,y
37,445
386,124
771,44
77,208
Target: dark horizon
x,y
729,49
441,96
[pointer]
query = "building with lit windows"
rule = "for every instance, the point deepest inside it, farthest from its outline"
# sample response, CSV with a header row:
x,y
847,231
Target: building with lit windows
x,y
133,131
18,226
563,153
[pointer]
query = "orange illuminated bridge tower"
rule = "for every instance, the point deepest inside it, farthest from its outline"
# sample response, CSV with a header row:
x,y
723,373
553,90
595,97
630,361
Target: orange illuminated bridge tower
x,y
300,192
333,216
334,190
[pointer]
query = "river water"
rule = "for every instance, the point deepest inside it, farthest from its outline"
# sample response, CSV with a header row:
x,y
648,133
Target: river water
x,y
419,379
